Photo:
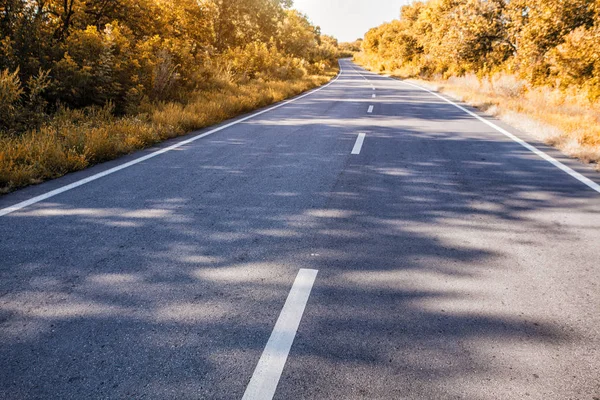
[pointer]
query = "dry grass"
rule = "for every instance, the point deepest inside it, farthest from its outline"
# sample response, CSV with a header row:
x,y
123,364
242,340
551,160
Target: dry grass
x,y
564,119
75,139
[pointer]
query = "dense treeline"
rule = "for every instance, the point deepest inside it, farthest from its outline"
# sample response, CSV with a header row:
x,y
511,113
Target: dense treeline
x,y
84,81
545,42
351,48
127,53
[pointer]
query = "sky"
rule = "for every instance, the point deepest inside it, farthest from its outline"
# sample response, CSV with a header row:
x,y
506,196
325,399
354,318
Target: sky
x,y
349,20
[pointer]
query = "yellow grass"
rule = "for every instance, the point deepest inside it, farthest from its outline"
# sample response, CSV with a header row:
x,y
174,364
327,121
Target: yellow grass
x,y
564,119
75,139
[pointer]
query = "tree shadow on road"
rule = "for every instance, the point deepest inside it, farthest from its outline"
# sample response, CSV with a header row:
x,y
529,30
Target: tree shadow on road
x,y
170,287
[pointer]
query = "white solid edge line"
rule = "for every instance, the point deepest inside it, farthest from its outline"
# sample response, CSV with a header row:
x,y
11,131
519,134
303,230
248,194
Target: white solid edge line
x,y
361,75
590,183
364,77
268,371
52,193
359,142
370,110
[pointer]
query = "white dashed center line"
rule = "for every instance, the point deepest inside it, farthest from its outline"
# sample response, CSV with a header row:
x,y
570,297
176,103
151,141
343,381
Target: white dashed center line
x,y
359,142
266,376
370,110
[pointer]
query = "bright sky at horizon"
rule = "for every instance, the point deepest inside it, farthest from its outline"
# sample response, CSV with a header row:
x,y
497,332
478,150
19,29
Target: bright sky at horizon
x,y
349,20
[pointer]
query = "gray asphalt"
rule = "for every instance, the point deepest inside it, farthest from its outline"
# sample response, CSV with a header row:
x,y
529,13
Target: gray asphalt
x,y
453,263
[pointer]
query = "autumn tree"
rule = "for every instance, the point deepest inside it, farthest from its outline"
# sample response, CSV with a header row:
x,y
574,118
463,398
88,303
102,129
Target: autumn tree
x,y
296,35
546,42
239,22
125,52
541,25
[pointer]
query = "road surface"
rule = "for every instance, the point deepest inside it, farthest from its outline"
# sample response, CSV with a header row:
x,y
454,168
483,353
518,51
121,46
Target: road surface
x,y
419,251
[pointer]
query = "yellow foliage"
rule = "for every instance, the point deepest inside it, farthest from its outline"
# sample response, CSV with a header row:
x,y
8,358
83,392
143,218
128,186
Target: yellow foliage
x,y
564,119
91,80
537,58
540,40
75,139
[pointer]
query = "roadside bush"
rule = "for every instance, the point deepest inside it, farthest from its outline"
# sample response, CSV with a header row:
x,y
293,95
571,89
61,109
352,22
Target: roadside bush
x,y
10,99
577,61
76,138
22,107
508,85
85,81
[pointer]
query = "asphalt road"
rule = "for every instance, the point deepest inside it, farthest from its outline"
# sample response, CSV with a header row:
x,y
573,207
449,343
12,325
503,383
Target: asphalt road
x,y
453,263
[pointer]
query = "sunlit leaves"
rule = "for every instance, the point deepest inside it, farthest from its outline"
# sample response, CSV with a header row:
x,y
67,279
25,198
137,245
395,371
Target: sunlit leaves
x,y
545,41
126,52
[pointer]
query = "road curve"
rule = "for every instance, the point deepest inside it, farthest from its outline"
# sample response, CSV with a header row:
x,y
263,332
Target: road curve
x,y
453,263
